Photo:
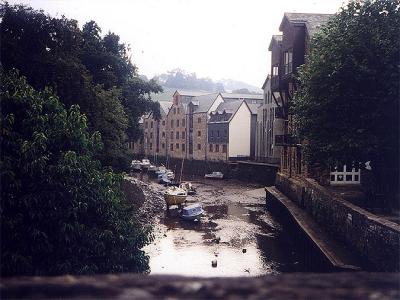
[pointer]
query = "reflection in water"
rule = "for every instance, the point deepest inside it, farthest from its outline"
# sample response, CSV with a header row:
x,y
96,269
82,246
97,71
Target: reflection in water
x,y
235,230
188,248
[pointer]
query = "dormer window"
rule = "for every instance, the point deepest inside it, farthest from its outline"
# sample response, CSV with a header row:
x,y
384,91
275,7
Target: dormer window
x,y
288,61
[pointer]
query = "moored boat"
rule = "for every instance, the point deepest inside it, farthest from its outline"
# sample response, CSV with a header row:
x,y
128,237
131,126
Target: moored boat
x,y
192,212
188,187
214,175
135,165
145,163
174,196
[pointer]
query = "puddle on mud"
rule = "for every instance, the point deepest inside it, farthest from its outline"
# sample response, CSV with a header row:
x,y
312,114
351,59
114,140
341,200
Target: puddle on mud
x,y
235,230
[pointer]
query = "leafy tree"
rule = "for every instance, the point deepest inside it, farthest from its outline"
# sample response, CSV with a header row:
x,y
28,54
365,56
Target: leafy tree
x,y
60,211
348,106
82,68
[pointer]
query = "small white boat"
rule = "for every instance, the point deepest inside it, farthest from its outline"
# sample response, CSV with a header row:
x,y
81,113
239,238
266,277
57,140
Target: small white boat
x,y
174,196
145,163
192,212
152,168
166,177
215,175
135,165
161,170
188,187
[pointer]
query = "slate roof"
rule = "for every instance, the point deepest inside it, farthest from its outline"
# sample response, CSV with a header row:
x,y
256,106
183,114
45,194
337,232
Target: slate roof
x,y
231,96
166,95
204,102
312,21
275,38
253,107
225,111
191,93
165,106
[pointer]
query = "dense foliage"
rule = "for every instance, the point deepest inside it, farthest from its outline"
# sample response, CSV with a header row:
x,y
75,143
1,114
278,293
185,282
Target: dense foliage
x,y
60,211
348,106
83,68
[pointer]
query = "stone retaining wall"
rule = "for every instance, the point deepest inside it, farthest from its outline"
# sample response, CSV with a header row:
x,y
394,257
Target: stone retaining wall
x,y
373,238
245,171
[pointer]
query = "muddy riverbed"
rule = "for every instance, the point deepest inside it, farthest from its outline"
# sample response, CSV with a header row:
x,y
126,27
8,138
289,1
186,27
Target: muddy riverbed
x,y
236,231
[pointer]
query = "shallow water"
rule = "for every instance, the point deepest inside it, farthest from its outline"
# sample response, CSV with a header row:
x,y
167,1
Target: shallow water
x,y
235,230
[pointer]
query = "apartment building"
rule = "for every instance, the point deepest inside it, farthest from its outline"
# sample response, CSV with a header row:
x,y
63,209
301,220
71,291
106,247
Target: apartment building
x,y
229,131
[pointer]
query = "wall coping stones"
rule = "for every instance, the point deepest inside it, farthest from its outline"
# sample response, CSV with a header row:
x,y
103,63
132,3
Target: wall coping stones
x,y
349,285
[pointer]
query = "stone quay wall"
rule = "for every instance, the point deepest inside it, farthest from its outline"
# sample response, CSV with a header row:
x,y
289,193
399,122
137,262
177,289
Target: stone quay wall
x,y
373,238
251,172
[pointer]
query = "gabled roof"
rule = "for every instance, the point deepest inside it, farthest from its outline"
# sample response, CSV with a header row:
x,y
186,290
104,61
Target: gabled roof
x,y
253,107
276,39
225,111
166,95
190,93
204,102
266,81
312,21
165,106
231,96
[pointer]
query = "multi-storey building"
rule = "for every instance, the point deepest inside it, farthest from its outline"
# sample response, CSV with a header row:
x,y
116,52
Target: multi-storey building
x,y
199,110
269,124
229,131
155,132
297,30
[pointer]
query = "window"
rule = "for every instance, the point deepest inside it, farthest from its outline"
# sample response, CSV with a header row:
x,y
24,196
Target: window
x,y
163,145
177,146
225,133
177,123
174,111
199,133
287,61
224,149
198,120
211,148
151,146
172,123
171,147
146,124
177,135
216,148
275,71
151,135
163,123
217,133
183,147
212,133
151,124
183,134
183,122
198,146
163,134
172,135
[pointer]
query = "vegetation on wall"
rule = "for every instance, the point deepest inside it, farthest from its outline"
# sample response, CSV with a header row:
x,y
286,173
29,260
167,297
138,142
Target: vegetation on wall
x,y
347,108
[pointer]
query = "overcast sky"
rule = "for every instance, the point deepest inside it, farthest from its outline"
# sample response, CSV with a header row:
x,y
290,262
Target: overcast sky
x,y
213,38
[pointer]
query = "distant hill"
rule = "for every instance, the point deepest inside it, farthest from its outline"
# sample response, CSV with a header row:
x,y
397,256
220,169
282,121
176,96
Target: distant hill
x,y
180,79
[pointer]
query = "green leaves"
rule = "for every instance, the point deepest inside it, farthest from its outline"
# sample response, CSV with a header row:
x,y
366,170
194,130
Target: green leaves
x,y
82,68
348,105
60,211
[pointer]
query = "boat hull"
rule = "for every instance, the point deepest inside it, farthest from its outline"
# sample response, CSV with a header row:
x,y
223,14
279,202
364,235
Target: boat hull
x,y
192,217
174,199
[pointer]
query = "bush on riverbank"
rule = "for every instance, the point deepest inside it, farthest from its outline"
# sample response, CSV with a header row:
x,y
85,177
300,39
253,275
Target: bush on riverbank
x,y
60,211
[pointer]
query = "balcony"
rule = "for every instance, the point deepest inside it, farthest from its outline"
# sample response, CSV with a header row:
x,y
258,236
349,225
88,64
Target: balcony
x,y
275,83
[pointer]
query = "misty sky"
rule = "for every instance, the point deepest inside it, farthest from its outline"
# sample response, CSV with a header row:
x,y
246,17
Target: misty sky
x,y
214,38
